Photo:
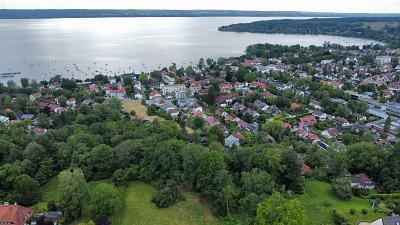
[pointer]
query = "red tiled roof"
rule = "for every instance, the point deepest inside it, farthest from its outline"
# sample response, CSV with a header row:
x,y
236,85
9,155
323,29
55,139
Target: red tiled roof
x,y
305,169
14,214
8,110
260,85
307,120
295,105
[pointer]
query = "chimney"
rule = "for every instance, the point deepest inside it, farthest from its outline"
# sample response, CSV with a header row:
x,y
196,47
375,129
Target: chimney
x,y
15,204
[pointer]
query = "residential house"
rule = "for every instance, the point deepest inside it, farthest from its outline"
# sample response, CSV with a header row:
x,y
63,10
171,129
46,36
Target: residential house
x,y
295,106
390,220
225,87
320,115
330,133
93,88
341,122
232,141
307,120
118,93
259,85
14,214
168,80
178,90
4,119
138,94
34,96
274,110
362,181
71,102
262,106
315,104
225,100
154,94
212,121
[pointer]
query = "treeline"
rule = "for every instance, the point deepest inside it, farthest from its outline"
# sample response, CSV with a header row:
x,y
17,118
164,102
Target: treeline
x,y
86,13
388,33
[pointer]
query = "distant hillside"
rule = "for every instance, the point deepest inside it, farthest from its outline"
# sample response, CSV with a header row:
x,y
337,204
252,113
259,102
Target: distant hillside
x,y
383,29
82,13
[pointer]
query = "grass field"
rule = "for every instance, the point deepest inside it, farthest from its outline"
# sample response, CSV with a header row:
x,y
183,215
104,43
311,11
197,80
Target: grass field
x,y
140,109
317,193
138,209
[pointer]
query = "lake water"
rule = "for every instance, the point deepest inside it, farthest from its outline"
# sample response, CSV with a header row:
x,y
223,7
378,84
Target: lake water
x,y
81,48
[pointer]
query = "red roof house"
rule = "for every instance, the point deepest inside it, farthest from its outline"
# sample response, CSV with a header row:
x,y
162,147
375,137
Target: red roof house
x,y
14,214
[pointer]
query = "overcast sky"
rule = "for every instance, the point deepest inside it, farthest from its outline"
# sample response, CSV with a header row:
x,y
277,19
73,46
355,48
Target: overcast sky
x,y
370,6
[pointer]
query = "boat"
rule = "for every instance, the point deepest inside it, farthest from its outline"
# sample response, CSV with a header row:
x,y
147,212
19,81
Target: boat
x,y
6,75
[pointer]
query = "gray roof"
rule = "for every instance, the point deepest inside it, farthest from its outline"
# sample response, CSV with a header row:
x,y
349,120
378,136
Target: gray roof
x,y
391,220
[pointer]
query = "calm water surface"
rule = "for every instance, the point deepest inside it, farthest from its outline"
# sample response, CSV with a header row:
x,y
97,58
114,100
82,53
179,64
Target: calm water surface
x,y
81,48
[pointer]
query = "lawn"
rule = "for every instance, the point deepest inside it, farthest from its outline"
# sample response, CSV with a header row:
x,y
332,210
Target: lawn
x,y
140,109
49,193
138,209
316,196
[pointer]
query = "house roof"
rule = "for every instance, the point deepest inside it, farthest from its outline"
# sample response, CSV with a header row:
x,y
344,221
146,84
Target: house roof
x,y
14,214
361,178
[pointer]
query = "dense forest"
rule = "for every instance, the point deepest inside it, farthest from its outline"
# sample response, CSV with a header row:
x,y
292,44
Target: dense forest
x,y
82,13
383,29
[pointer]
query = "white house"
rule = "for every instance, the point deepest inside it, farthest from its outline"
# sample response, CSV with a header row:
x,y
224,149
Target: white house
x,y
4,119
118,93
34,96
179,90
71,102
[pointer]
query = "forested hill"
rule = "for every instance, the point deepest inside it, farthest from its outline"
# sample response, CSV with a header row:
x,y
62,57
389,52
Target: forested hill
x,y
82,13
383,29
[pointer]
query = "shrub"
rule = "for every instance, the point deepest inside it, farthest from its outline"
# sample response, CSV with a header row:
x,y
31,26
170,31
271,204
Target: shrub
x,y
166,197
327,203
364,211
342,188
339,219
352,211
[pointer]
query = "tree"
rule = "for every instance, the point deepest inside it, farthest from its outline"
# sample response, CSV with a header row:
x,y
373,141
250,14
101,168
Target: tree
x,y
26,190
274,128
24,82
228,192
100,162
276,210
388,123
342,111
105,201
292,175
73,193
342,188
250,77
166,197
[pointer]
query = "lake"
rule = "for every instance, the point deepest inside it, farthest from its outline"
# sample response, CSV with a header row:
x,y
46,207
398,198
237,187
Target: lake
x,y
81,48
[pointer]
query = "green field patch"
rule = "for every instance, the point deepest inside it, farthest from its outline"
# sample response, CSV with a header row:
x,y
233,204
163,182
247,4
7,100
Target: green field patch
x,y
320,202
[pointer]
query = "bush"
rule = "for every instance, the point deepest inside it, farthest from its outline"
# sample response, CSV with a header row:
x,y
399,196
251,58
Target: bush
x,y
120,177
364,211
327,203
166,197
339,219
342,188
352,211
359,191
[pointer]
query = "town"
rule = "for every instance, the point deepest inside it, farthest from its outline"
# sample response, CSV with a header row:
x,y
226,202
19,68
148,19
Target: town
x,y
322,102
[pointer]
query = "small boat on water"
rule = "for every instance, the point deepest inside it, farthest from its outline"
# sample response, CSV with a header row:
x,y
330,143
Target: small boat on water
x,y
6,75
